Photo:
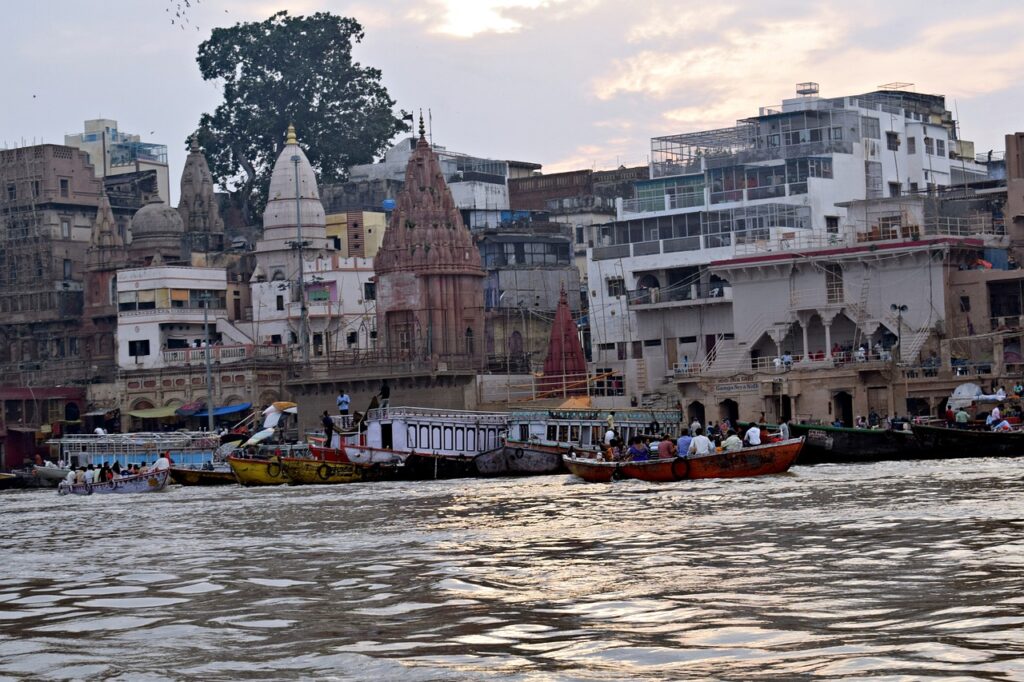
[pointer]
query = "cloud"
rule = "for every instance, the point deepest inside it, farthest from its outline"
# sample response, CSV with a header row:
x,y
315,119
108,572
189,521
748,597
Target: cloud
x,y
469,18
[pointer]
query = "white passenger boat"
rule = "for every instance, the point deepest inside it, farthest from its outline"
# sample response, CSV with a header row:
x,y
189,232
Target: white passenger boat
x,y
142,483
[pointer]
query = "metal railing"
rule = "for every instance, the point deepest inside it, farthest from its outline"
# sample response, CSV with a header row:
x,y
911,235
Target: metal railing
x,y
698,292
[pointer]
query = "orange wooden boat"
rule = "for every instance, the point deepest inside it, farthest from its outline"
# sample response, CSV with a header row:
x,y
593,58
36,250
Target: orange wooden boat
x,y
760,460
592,470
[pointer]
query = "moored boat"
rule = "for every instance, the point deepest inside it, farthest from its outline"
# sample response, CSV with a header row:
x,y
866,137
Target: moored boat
x,y
941,441
251,471
219,476
419,443
153,481
521,459
825,444
318,472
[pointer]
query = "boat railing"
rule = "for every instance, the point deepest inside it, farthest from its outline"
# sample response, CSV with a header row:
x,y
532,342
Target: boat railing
x,y
380,413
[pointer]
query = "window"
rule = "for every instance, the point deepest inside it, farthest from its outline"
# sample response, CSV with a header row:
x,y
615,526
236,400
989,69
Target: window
x,y
606,346
940,147
894,189
892,141
579,235
280,302
616,286
965,304
911,145
913,187
67,268
275,339
65,187
652,342
929,146
12,191
65,228
833,283
873,179
138,348
637,350
870,127
832,224
35,189
687,339
369,291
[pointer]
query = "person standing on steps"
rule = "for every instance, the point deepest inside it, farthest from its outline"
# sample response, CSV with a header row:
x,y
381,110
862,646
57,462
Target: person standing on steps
x,y
343,402
385,394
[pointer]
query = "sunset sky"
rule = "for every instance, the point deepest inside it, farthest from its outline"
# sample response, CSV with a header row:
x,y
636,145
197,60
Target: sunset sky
x,y
580,84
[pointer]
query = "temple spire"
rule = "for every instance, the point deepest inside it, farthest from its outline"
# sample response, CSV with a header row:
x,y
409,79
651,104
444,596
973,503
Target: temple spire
x,y
423,131
290,137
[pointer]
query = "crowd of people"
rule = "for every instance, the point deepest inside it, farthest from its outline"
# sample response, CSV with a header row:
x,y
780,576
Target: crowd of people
x,y
695,441
92,474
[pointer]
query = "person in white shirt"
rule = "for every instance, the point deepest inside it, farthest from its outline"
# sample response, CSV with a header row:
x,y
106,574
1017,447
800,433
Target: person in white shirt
x,y
89,475
70,478
609,436
694,427
162,462
996,415
732,442
700,445
753,436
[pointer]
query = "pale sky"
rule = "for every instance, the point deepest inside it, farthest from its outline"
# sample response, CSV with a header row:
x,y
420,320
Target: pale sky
x,y
566,83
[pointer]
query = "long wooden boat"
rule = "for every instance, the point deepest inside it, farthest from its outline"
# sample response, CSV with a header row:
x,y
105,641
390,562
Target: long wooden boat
x,y
521,459
759,460
941,441
150,482
592,470
316,471
252,471
203,476
825,444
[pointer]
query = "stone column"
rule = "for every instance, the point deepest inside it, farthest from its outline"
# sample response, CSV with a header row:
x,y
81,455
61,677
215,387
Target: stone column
x,y
804,319
827,316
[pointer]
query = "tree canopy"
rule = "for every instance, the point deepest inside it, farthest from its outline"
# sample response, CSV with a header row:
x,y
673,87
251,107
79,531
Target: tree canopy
x,y
291,70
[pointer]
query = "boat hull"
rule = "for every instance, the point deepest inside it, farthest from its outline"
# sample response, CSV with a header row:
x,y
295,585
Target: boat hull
x,y
521,459
592,471
939,441
202,477
319,472
429,467
143,483
253,472
830,444
52,475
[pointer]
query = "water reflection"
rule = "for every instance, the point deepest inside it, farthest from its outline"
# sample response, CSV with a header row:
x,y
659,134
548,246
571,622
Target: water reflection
x,y
892,569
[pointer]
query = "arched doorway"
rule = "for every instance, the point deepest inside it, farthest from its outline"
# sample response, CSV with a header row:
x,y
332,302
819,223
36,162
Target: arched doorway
x,y
729,409
695,411
71,412
842,407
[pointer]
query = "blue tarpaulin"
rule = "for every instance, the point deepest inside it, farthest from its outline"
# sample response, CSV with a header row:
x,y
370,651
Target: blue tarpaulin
x,y
226,410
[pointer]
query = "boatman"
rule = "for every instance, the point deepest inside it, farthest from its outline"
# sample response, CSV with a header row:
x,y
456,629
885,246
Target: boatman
x,y
162,462
784,429
700,445
753,436
343,402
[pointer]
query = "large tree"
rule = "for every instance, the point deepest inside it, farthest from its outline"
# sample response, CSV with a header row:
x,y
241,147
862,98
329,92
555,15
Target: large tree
x,y
291,70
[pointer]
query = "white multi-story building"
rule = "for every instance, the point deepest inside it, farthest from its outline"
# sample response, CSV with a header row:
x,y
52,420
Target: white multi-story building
x,y
781,179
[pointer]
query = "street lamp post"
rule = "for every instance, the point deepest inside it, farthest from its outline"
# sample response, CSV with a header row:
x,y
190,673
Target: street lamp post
x,y
209,370
899,309
303,311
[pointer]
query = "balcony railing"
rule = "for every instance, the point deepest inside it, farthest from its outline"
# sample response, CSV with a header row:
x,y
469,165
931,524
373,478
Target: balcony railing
x,y
680,294
224,354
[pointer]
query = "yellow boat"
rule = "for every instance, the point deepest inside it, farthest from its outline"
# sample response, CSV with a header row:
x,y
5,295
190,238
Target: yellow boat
x,y
309,471
258,471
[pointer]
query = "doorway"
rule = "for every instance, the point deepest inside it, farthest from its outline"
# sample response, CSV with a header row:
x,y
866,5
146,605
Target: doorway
x,y
729,409
695,411
842,407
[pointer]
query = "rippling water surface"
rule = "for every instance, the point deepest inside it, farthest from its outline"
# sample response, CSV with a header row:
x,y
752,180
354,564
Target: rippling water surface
x,y
892,570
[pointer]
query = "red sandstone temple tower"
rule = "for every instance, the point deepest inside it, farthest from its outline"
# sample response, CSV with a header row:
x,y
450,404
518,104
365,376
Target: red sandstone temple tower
x,y
430,293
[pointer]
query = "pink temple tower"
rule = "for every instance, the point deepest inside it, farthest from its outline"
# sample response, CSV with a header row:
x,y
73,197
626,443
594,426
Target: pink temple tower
x,y
430,293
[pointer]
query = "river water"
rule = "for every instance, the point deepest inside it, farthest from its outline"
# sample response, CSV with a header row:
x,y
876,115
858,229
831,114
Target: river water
x,y
911,570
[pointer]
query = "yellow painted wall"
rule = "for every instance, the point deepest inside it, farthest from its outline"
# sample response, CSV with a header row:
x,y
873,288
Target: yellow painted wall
x,y
373,225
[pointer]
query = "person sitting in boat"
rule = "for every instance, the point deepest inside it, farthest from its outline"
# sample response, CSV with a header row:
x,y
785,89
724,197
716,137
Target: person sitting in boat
x,y
1002,426
861,422
666,448
752,436
700,445
683,443
637,451
784,429
732,442
70,478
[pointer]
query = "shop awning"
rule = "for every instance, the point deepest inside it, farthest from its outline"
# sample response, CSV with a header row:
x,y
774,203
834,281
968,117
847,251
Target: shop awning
x,y
155,412
226,410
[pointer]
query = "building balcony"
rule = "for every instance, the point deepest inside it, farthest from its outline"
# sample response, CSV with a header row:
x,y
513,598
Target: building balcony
x,y
173,314
177,357
678,296
315,309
